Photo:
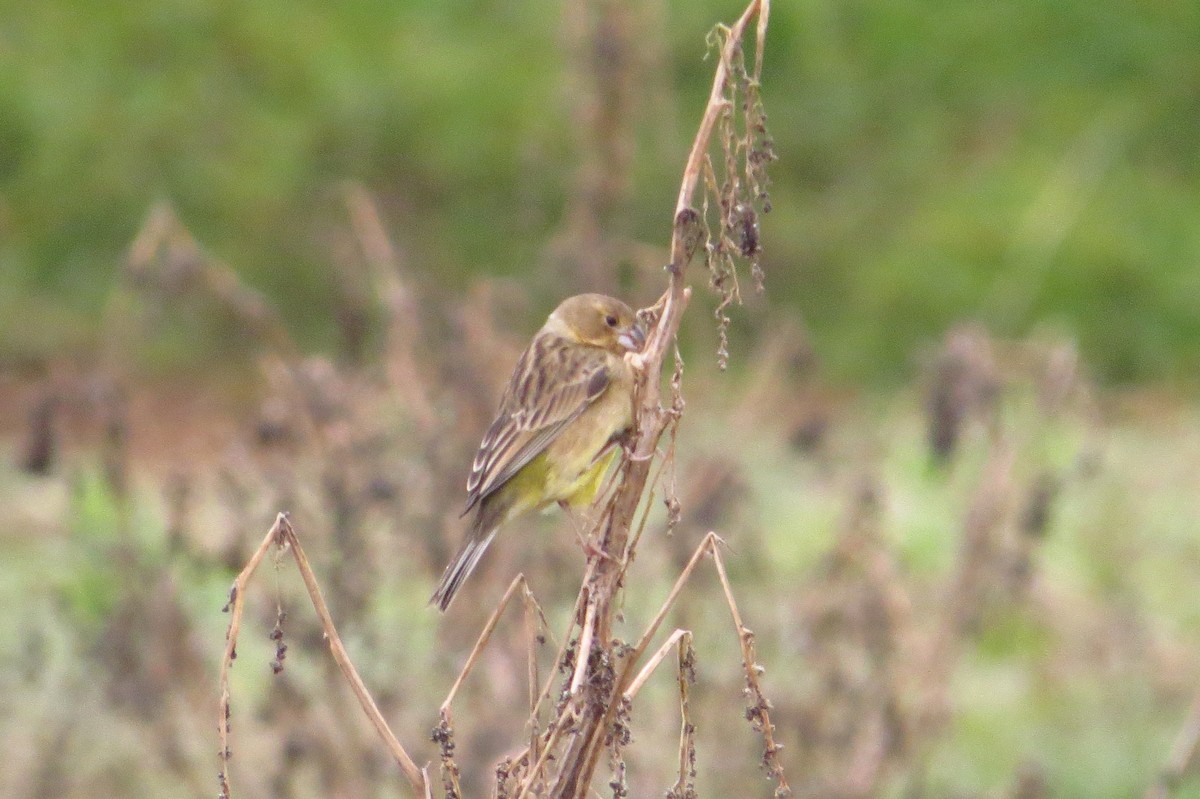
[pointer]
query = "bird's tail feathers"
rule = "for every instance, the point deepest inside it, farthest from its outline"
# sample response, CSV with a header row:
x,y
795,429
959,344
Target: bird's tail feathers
x,y
460,568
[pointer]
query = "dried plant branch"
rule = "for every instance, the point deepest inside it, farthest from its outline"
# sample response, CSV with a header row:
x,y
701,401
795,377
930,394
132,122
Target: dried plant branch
x,y
627,684
758,714
707,545
631,692
562,649
759,711
416,777
607,567
485,636
443,734
583,653
166,258
565,723
685,786
283,536
716,100
235,608
399,302
533,613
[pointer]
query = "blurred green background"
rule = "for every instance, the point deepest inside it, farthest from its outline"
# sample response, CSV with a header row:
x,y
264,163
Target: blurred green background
x,y
985,226
1021,162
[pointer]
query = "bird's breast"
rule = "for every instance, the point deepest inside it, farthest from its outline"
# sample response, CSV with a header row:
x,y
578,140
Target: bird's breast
x,y
575,450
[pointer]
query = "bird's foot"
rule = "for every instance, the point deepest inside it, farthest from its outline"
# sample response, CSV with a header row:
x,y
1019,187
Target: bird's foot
x,y
590,550
593,551
628,444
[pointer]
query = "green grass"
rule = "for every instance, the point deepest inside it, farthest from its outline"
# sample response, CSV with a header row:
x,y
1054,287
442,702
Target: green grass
x,y
1019,162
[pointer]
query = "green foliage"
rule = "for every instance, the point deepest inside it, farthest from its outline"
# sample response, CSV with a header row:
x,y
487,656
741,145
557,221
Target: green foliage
x,y
1018,162
95,578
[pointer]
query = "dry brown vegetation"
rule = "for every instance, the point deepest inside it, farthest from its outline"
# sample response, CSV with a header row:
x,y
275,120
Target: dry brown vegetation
x,y
571,727
649,680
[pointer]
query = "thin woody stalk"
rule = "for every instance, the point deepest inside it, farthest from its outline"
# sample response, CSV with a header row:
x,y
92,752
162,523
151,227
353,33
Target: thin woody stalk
x,y
580,760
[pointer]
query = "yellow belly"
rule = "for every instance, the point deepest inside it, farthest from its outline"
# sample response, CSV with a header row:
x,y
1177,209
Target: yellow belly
x,y
573,466
584,490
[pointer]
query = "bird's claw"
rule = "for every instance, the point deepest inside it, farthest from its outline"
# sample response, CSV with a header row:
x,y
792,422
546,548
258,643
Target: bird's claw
x,y
593,551
628,445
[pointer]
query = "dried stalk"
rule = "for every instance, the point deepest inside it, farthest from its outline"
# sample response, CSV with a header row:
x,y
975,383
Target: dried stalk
x,y
654,661
443,734
283,536
608,565
584,651
758,714
399,302
486,635
685,786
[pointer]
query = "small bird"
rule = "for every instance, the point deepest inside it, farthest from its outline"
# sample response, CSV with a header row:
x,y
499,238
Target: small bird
x,y
569,400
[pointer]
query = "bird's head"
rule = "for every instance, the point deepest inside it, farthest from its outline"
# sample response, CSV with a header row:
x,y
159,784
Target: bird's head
x,y
598,321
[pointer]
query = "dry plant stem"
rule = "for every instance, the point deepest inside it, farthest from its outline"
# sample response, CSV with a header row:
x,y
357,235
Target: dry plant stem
x,y
563,724
655,660
1183,752
531,642
533,612
399,301
716,99
584,651
628,685
235,607
758,714
562,649
484,637
631,545
282,534
687,730
707,546
596,716
579,762
537,750
416,776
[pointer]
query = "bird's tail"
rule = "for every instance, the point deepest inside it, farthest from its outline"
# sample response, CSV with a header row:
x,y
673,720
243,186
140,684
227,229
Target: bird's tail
x,y
461,567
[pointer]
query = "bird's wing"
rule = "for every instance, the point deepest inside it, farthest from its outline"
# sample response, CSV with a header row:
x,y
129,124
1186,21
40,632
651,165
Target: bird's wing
x,y
553,383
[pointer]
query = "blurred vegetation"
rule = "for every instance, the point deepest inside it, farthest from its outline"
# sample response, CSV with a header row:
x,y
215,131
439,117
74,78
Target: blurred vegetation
x,y
1020,162
1011,614
975,579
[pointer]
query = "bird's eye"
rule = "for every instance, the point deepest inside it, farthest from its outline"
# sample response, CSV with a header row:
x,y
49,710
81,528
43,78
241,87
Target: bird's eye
x,y
610,320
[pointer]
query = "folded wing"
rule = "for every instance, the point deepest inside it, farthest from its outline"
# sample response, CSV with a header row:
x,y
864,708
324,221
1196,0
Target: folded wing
x,y
551,386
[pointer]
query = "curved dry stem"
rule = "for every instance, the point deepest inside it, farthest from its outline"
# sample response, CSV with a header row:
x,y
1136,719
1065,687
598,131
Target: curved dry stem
x,y
654,661
758,714
485,636
235,608
282,535
652,420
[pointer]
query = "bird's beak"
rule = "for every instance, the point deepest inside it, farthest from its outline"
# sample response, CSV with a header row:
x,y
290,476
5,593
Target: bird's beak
x,y
633,339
